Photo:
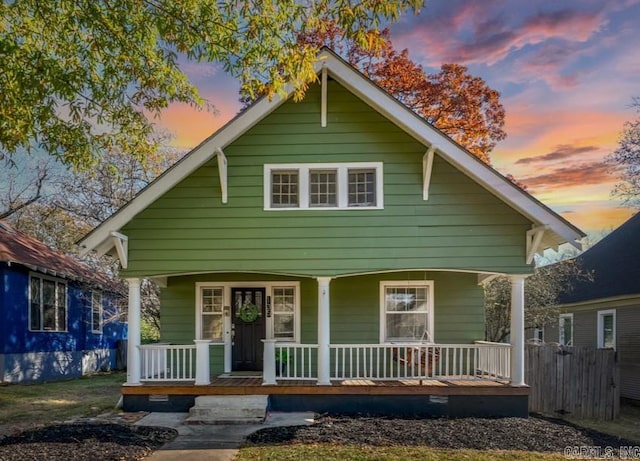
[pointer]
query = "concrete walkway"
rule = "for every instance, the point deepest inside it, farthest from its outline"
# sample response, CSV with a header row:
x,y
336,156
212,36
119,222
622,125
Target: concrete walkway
x,y
211,442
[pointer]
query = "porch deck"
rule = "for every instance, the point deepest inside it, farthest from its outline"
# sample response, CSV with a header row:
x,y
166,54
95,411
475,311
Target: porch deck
x,y
254,386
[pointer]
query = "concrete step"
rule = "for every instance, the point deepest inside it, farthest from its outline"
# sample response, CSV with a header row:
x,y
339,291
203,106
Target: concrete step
x,y
228,409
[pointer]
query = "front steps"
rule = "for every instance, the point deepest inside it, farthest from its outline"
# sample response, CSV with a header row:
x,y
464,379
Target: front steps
x,y
228,409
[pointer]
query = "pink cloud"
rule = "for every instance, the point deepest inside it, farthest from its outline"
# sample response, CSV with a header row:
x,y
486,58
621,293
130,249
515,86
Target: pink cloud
x,y
570,176
561,152
477,34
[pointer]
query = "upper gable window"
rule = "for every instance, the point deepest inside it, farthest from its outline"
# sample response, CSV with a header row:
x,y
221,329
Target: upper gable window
x,y
329,186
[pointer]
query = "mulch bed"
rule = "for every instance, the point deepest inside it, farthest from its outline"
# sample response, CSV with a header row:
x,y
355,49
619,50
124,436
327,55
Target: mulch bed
x,y
84,442
531,434
97,441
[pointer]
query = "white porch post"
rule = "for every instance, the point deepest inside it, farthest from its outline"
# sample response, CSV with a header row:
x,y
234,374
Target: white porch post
x,y
203,376
269,362
517,330
133,343
324,331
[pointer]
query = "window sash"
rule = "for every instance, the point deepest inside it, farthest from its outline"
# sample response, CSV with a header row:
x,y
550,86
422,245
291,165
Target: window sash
x,y
362,187
211,313
327,186
285,188
566,330
96,312
323,188
284,313
47,304
608,339
406,311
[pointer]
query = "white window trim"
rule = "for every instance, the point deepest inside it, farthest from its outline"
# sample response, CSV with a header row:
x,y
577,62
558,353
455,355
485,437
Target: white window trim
x,y
538,335
199,290
66,302
406,283
560,329
100,312
601,315
226,303
342,184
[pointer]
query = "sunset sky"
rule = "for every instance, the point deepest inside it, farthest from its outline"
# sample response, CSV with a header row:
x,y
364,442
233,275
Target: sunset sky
x,y
566,71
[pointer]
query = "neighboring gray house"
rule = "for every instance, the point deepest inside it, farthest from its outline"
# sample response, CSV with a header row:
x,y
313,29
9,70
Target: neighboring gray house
x,y
605,312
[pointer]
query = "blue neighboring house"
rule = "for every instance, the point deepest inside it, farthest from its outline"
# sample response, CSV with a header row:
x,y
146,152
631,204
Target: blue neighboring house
x,y
59,319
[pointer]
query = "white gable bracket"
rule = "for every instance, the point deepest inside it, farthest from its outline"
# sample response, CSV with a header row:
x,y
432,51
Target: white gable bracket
x,y
121,242
534,238
323,103
427,166
222,172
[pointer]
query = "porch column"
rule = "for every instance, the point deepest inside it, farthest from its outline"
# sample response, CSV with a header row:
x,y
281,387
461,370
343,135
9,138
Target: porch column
x,y
269,363
517,330
203,376
324,331
133,333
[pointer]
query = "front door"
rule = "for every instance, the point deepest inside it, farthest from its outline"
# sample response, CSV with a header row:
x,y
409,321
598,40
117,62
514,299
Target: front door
x,y
248,325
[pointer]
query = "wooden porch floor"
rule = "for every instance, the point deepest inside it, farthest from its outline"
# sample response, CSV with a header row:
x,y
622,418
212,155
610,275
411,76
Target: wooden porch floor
x,y
254,386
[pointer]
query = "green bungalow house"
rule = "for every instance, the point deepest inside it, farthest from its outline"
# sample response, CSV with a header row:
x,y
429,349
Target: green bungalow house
x,y
329,254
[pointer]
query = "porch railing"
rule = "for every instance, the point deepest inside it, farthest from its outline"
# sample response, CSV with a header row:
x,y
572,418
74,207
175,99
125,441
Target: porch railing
x,y
296,361
420,361
464,362
494,360
165,362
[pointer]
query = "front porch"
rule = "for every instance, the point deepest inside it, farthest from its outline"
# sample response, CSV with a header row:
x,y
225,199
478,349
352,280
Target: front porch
x,y
403,397
371,353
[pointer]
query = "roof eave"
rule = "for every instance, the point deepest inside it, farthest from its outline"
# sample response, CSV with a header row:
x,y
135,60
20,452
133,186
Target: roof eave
x,y
100,238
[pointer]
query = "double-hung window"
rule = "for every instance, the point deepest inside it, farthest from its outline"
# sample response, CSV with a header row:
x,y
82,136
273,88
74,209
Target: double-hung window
x,y
565,330
284,303
406,311
211,313
47,303
96,312
607,329
329,186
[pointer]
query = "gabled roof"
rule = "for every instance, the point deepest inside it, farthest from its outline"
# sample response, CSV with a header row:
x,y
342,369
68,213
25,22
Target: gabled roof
x,y
615,262
557,229
19,248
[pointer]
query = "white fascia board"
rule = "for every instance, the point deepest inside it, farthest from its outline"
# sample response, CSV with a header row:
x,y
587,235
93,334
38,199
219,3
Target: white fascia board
x,y
419,129
100,236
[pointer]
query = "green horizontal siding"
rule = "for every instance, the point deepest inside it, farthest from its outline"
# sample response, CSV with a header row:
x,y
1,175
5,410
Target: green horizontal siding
x,y
462,226
355,307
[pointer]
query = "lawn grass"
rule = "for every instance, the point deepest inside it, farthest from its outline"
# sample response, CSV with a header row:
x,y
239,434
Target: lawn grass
x,y
626,426
60,400
325,452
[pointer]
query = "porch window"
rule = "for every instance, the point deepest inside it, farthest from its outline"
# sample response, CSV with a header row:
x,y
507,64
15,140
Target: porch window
x,y
406,311
96,312
47,303
607,329
330,186
284,302
211,314
565,330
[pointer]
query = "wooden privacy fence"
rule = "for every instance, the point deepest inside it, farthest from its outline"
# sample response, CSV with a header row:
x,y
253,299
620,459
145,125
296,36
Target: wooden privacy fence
x,y
582,382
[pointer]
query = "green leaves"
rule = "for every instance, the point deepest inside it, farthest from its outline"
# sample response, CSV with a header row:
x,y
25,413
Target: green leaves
x,y
82,77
